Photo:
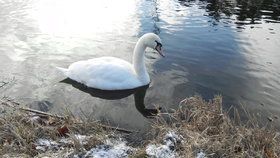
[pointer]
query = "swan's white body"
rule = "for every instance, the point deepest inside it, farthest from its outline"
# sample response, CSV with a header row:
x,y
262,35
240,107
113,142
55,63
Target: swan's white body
x,y
107,73
110,73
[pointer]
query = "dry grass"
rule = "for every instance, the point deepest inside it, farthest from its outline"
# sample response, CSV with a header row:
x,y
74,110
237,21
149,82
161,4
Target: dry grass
x,y
205,127
19,130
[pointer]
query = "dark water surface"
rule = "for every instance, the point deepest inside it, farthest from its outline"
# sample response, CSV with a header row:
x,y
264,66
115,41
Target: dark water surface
x,y
212,47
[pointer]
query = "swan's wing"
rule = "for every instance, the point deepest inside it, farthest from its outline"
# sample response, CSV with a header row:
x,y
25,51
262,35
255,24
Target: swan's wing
x,y
106,73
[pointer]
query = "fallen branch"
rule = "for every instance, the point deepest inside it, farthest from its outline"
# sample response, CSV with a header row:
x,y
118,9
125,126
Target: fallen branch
x,y
41,112
12,104
62,117
117,128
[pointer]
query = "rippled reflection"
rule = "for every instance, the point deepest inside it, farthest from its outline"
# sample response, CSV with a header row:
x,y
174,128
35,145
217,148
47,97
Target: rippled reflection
x,y
246,11
139,95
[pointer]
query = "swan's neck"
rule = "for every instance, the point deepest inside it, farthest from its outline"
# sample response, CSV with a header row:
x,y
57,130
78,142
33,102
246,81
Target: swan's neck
x,y
139,61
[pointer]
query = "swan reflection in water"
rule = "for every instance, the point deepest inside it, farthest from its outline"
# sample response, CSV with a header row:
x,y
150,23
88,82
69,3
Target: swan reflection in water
x,y
139,95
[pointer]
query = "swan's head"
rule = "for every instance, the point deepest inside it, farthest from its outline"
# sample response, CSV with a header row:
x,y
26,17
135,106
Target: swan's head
x,y
153,41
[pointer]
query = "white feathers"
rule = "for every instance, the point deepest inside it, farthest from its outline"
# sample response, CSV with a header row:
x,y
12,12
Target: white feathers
x,y
107,73
110,73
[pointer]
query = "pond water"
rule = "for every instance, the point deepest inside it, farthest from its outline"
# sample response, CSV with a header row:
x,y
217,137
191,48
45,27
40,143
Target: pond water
x,y
212,47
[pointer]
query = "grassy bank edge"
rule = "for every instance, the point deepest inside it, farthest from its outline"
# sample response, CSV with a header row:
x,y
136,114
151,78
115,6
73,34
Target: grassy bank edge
x,y
202,125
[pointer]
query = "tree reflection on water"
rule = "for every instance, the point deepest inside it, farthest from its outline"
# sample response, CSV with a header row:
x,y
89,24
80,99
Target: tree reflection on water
x,y
246,11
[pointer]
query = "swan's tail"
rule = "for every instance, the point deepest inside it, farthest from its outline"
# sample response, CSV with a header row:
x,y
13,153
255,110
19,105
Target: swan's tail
x,y
63,70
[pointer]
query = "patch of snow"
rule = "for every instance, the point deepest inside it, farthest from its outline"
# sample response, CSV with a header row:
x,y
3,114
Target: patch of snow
x,y
45,144
65,141
201,154
165,150
34,119
162,151
110,149
171,139
82,139
114,148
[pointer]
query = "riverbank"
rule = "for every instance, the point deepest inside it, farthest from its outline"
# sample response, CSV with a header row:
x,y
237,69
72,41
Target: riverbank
x,y
197,129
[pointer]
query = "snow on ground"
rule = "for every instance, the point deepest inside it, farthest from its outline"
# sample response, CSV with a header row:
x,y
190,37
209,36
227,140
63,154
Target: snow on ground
x,y
81,138
110,149
115,148
166,150
201,154
45,144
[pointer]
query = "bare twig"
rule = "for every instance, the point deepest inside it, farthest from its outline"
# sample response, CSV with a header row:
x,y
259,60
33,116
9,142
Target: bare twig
x,y
41,113
117,128
62,117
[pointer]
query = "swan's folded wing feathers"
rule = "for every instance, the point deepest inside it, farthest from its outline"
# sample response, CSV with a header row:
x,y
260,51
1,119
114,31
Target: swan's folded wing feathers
x,y
104,73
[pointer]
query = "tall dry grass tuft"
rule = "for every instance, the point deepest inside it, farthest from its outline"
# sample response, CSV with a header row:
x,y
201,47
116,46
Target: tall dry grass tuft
x,y
205,127
19,130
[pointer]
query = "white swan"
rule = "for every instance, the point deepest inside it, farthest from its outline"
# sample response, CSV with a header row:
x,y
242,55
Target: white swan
x,y
110,73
